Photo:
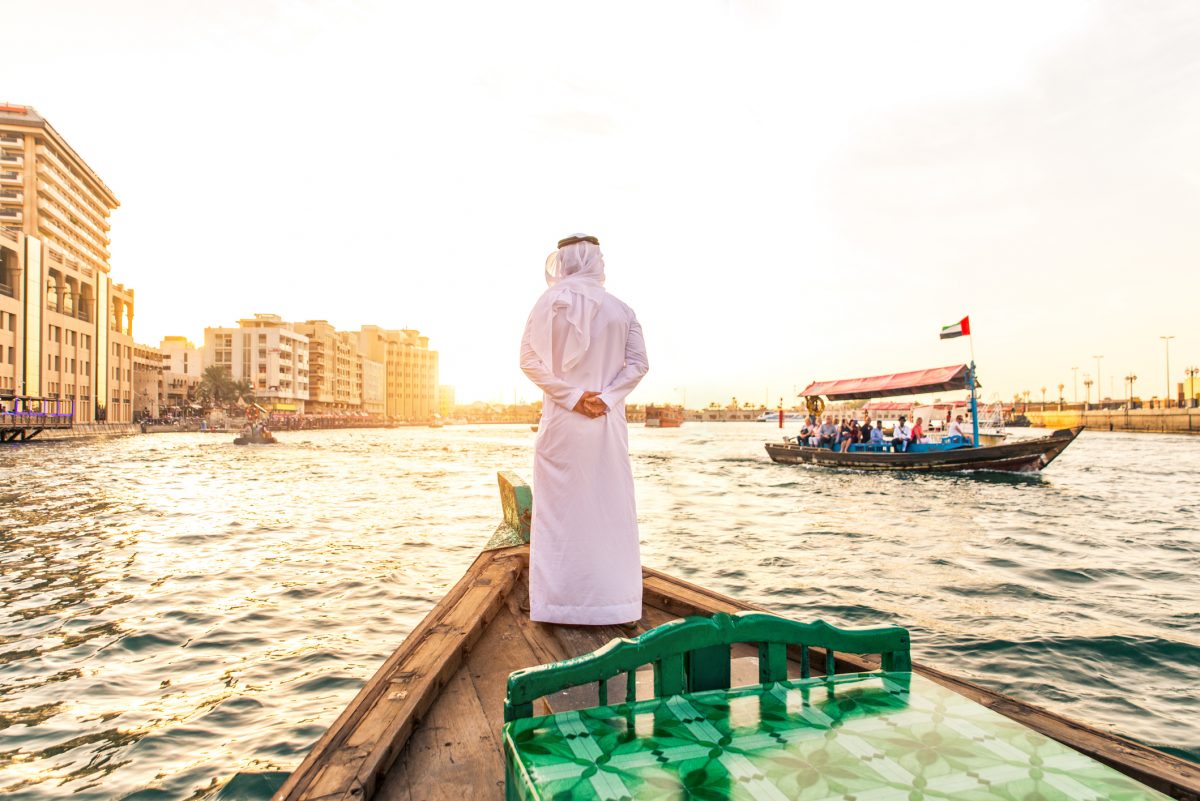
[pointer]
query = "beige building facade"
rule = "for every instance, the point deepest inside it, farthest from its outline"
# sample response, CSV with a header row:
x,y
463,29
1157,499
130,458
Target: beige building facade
x,y
268,354
148,389
374,386
335,369
410,371
62,319
183,365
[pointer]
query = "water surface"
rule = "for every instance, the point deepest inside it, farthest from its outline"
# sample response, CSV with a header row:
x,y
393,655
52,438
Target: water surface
x,y
175,609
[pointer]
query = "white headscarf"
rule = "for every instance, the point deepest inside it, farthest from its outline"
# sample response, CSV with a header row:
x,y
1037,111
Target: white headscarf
x,y
575,275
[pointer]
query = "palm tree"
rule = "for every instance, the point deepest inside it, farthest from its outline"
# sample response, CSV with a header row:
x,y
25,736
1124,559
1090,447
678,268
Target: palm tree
x,y
243,391
217,384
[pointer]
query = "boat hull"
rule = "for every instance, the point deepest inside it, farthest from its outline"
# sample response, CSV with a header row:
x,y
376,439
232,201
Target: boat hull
x,y
1023,456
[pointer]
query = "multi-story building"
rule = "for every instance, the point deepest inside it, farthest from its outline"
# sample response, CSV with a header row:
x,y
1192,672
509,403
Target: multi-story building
x,y
445,400
410,371
268,354
147,381
62,319
374,386
335,372
183,364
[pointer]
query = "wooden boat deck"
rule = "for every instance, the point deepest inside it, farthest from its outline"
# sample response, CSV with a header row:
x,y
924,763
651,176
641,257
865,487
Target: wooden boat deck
x,y
427,725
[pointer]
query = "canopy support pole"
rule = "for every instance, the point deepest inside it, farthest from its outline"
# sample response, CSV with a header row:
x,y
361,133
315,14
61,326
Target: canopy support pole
x,y
974,403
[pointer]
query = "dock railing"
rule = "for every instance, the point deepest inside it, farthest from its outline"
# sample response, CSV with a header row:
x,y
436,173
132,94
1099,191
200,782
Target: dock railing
x,y
23,417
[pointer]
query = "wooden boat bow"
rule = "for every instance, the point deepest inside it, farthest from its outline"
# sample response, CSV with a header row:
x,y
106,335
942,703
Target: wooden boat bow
x,y
427,724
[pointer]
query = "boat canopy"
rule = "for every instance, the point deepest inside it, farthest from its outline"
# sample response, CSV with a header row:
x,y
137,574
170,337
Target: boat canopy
x,y
937,379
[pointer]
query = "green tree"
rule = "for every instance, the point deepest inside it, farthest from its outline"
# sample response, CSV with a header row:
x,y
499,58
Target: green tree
x,y
243,392
216,383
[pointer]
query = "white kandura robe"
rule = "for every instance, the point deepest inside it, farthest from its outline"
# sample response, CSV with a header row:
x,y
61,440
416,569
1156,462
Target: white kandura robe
x,y
585,562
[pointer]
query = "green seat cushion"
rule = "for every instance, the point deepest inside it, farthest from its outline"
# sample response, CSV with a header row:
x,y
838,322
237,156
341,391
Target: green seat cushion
x,y
855,737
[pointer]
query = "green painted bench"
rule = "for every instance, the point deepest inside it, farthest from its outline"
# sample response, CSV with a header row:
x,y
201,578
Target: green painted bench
x,y
874,736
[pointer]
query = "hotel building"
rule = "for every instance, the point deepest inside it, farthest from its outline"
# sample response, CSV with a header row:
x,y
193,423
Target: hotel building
x,y
334,371
374,384
183,364
66,330
410,371
267,353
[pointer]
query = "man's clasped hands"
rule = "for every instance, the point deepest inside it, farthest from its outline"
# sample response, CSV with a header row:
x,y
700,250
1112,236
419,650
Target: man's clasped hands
x,y
590,405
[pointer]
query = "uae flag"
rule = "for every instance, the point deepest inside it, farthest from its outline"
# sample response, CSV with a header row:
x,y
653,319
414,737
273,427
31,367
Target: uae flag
x,y
961,328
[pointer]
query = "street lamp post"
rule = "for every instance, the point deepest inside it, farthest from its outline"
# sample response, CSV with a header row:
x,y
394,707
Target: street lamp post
x,y
1087,390
1043,399
1167,343
1098,384
1130,379
1191,373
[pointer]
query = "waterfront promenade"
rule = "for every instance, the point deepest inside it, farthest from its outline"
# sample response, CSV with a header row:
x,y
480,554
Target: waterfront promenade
x,y
1159,421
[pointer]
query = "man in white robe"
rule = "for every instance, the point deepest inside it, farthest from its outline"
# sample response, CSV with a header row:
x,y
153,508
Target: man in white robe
x,y
584,349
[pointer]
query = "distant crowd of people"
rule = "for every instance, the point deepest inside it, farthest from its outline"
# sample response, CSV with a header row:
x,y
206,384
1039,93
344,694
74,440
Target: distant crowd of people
x,y
840,434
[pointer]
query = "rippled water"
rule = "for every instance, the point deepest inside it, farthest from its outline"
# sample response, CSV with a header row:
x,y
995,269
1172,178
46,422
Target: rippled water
x,y
175,609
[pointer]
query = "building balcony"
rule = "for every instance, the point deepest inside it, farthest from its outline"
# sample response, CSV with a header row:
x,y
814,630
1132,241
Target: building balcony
x,y
11,159
9,178
72,191
11,215
75,209
45,223
10,197
70,222
10,139
5,289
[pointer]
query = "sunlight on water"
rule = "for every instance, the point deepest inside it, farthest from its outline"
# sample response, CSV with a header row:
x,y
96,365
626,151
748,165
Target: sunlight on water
x,y
177,609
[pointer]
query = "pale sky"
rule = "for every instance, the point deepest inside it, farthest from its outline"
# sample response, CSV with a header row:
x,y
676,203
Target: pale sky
x,y
783,191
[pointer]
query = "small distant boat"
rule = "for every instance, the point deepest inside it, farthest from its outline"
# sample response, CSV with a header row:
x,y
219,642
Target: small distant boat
x,y
265,438
788,417
436,422
664,416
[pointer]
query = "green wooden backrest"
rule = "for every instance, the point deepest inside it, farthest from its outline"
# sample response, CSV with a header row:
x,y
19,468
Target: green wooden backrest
x,y
693,654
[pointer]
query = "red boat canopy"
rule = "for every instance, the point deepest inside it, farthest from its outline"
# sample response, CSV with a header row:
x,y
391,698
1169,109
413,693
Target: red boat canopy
x,y
888,406
938,379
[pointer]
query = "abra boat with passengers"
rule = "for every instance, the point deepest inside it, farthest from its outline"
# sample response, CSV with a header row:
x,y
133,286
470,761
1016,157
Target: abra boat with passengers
x,y
731,702
949,454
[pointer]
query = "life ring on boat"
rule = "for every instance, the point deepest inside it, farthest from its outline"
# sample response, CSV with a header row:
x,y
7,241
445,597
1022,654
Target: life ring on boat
x,y
815,404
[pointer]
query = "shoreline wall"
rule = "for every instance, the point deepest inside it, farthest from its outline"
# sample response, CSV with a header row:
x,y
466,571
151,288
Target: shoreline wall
x,y
1159,421
89,430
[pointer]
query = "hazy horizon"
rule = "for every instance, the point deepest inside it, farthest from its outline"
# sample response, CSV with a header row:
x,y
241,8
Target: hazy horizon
x,y
783,192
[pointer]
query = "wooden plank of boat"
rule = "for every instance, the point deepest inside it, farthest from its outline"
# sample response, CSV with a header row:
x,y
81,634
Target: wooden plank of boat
x,y
427,723
1022,456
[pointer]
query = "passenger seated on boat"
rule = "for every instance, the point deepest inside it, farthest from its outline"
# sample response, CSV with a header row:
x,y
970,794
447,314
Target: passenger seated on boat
x,y
854,435
827,435
956,429
900,435
876,435
803,437
918,433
